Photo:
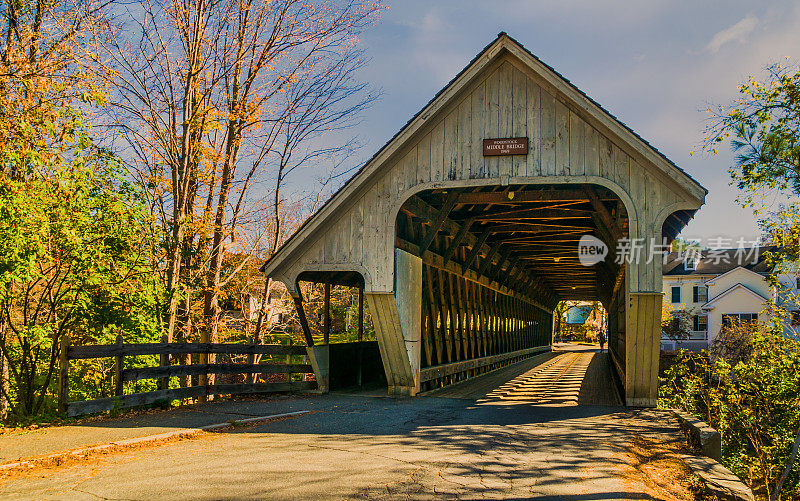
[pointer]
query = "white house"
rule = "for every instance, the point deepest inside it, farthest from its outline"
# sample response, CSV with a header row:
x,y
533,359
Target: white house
x,y
713,287
788,297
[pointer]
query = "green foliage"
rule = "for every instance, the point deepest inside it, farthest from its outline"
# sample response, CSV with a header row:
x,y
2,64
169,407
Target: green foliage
x,y
74,261
754,403
751,391
675,324
763,130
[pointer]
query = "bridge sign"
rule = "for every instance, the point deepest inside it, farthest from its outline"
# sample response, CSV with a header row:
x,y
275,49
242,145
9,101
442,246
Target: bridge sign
x,y
507,146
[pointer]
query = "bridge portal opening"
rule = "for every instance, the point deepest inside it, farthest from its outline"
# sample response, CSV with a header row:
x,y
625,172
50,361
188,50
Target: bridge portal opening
x,y
497,261
339,330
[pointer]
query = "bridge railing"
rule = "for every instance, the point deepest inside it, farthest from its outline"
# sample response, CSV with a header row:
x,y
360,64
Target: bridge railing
x,y
165,370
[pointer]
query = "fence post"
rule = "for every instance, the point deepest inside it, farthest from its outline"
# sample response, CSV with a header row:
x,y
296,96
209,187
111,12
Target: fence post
x,y
118,366
164,382
326,329
289,361
250,377
63,374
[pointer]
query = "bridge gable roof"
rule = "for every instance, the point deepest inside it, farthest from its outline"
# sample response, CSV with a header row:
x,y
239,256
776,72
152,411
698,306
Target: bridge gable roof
x,y
502,46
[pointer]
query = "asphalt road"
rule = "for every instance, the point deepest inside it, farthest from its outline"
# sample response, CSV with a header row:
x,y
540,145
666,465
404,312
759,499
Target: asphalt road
x,y
354,446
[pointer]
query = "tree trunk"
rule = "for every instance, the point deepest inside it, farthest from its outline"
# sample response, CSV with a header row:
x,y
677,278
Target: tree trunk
x,y
263,310
4,384
790,463
172,287
217,254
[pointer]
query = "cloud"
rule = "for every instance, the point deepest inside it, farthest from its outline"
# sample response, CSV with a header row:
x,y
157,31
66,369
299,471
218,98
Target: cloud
x,y
737,32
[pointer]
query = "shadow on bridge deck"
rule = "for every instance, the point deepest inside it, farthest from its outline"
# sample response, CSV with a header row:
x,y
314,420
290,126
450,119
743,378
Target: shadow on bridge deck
x,y
570,375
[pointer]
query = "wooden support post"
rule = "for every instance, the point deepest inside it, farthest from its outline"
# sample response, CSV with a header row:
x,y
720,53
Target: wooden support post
x,y
443,312
360,373
63,374
163,383
463,326
360,314
455,321
326,330
468,319
428,327
484,312
119,365
487,321
476,319
301,316
495,305
435,315
502,322
488,261
493,273
602,211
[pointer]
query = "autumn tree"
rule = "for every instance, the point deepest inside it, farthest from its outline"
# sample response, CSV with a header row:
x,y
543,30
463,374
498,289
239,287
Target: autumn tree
x,y
70,230
762,128
219,103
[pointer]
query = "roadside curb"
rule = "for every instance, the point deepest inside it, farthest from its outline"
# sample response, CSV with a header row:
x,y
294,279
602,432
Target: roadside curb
x,y
129,443
718,479
700,435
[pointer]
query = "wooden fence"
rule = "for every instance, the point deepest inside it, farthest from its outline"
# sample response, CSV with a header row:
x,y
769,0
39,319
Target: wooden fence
x,y
165,371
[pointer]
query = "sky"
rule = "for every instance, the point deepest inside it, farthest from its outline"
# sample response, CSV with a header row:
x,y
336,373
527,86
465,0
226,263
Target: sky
x,y
656,65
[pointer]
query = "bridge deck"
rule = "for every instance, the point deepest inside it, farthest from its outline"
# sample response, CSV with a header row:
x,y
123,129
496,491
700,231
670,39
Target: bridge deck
x,y
570,375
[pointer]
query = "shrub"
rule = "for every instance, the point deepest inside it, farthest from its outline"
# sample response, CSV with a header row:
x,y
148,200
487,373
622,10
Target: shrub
x,y
749,390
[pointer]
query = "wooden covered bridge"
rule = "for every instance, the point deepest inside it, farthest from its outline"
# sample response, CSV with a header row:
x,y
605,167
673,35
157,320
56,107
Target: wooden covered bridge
x,y
464,229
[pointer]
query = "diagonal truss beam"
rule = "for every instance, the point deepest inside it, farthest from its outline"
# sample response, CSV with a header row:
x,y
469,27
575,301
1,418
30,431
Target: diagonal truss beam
x,y
438,220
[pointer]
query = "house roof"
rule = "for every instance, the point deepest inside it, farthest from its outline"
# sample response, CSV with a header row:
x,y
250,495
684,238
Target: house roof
x,y
719,261
503,43
742,268
730,291
578,314
788,268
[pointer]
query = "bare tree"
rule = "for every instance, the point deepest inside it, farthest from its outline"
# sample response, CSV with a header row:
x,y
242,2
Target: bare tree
x,y
216,100
295,60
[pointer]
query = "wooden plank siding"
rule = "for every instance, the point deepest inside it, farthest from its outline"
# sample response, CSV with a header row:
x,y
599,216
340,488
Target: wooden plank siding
x,y
505,92
563,148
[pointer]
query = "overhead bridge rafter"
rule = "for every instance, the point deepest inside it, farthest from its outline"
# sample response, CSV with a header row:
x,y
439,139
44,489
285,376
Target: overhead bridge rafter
x,y
526,239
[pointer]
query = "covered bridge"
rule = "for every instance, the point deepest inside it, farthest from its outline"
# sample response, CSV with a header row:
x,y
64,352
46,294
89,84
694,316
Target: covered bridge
x,y
464,229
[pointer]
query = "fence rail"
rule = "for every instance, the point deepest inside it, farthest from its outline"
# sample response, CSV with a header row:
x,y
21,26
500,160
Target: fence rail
x,y
113,350
165,371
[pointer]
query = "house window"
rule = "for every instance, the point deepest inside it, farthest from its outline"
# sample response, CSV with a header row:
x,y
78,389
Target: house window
x,y
700,323
700,293
728,318
688,264
699,327
676,293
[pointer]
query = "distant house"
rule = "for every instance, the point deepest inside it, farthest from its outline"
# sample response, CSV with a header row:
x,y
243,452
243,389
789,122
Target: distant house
x,y
714,287
279,307
788,297
578,314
